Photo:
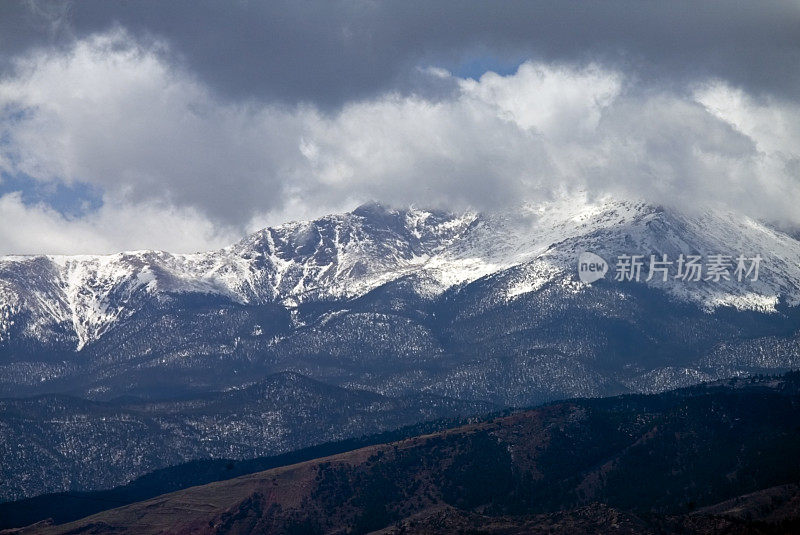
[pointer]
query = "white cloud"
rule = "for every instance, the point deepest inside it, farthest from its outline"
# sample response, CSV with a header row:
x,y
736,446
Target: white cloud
x,y
172,158
115,114
561,103
38,229
773,125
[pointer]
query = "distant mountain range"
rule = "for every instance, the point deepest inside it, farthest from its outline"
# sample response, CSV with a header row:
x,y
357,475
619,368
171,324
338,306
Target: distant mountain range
x,y
433,314
717,458
55,442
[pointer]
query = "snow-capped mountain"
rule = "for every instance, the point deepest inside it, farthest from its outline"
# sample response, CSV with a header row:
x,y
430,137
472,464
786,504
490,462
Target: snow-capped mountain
x,y
469,309
344,256
336,257
402,300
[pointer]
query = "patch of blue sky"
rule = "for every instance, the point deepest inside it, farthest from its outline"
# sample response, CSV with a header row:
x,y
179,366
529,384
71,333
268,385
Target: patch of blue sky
x,y
70,200
476,66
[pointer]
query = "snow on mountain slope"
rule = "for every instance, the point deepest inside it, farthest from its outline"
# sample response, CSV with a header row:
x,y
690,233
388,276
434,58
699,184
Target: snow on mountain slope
x,y
612,229
547,239
75,299
334,257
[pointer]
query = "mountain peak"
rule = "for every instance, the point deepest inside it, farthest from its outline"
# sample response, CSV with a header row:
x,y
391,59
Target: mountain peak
x,y
372,209
346,256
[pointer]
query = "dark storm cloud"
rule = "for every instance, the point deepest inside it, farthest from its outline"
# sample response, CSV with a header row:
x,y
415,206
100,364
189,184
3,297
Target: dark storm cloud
x,y
332,52
181,125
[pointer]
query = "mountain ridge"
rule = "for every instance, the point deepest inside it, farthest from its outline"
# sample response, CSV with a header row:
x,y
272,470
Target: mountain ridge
x,y
345,256
73,444
482,309
652,464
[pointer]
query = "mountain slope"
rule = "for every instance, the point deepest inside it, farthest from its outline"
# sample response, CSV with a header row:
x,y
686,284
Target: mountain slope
x,y
472,306
647,459
486,309
341,257
58,443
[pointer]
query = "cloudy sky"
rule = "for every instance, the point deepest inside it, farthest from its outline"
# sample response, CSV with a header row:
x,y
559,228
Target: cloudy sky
x,y
184,125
